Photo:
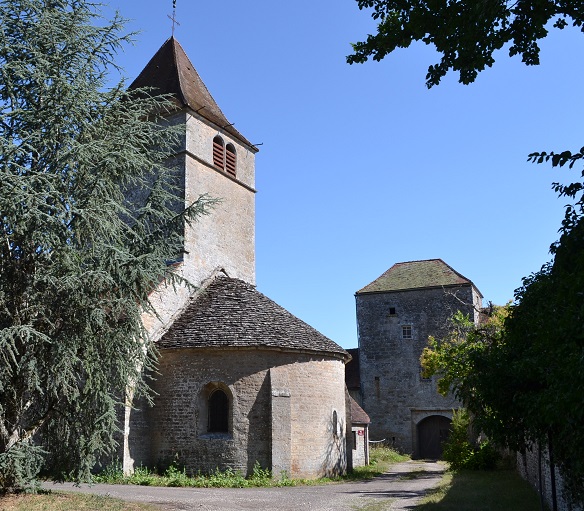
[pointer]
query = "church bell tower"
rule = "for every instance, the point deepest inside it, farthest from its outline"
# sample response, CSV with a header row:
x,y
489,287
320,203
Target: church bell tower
x,y
215,159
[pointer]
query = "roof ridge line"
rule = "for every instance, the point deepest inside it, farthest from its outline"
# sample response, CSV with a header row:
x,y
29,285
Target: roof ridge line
x,y
183,98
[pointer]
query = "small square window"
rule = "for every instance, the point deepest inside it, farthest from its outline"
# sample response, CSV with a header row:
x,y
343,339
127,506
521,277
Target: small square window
x,y
406,331
392,311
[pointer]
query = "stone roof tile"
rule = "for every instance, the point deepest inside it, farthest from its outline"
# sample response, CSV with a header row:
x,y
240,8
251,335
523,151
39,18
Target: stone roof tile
x,y
231,313
416,275
358,415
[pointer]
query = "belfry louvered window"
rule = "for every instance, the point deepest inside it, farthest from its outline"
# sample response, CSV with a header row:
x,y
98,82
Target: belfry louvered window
x,y
224,157
230,159
218,152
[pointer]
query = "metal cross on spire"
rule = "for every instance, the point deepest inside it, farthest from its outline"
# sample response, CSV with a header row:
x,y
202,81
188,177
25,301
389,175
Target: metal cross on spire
x,y
173,17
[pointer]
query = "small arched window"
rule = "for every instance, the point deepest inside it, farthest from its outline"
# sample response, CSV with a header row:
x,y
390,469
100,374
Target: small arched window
x,y
218,412
230,159
219,152
335,423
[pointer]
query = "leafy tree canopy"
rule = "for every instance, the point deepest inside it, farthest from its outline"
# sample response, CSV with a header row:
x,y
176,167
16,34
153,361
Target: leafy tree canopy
x,y
78,258
520,373
466,33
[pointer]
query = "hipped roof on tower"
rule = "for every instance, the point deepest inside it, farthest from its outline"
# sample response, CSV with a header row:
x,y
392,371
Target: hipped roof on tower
x,y
430,273
171,72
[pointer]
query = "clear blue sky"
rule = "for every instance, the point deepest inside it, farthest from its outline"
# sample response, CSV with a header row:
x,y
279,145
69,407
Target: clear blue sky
x,y
361,166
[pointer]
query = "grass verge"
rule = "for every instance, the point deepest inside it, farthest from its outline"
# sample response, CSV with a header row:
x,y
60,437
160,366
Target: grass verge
x,y
381,459
68,502
481,490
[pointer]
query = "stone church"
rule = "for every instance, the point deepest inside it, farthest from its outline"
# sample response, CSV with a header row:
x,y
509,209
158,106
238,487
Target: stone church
x,y
396,313
240,380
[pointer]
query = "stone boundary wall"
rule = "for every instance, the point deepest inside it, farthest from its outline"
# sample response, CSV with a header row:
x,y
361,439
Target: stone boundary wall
x,y
528,468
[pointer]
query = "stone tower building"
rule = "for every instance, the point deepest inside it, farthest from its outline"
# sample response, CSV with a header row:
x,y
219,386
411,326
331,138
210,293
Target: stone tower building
x,y
214,159
396,313
240,380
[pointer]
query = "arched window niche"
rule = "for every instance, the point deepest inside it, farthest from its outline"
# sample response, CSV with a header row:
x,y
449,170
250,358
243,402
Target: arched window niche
x,y
218,412
230,159
219,405
224,156
219,152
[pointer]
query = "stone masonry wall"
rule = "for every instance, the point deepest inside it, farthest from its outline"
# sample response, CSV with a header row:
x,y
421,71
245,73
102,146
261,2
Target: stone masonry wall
x,y
177,424
317,387
360,447
394,394
226,237
528,468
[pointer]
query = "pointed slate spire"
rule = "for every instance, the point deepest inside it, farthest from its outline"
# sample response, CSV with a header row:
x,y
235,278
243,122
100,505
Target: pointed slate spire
x,y
171,72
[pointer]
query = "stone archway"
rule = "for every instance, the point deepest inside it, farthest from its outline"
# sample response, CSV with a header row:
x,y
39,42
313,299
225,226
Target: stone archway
x,y
433,431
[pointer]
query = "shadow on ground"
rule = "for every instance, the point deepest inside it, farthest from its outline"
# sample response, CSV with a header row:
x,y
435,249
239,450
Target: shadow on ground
x,y
484,491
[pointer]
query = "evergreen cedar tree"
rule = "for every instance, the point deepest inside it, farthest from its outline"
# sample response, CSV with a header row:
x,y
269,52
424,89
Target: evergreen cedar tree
x,y
79,252
466,32
536,346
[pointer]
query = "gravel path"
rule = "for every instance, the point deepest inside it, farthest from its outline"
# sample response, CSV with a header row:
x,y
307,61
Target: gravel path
x,y
397,490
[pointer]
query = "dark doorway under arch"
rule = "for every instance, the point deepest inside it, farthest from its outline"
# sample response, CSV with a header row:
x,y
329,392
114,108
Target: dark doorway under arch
x,y
433,431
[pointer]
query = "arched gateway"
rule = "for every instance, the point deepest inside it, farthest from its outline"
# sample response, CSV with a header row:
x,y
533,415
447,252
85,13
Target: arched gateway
x,y
433,431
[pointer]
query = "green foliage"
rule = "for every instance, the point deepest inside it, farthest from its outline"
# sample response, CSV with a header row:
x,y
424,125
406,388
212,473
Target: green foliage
x,y
546,330
176,476
546,333
79,252
143,477
466,33
383,455
260,476
521,374
523,378
468,362
573,191
111,474
19,467
457,450
380,460
461,452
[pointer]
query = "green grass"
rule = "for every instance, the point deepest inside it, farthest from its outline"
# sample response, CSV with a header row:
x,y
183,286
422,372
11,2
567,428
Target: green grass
x,y
57,501
381,459
414,474
496,490
374,505
174,476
